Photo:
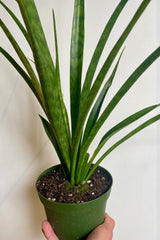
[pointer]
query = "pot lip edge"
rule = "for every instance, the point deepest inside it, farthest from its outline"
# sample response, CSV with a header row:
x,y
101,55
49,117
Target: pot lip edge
x,y
71,204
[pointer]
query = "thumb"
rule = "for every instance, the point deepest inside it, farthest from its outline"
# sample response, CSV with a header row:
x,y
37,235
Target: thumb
x,y
48,231
109,223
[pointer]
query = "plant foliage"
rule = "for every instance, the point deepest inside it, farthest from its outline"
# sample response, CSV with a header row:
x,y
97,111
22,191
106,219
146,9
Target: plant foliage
x,y
87,117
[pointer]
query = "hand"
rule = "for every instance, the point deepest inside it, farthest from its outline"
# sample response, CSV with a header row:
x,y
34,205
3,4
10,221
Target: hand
x,y
102,232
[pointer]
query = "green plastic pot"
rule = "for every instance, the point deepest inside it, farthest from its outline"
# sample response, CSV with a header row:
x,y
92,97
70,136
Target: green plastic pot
x,y
75,221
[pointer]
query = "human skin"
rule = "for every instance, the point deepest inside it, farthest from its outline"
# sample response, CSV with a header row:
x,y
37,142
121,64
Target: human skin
x,y
102,232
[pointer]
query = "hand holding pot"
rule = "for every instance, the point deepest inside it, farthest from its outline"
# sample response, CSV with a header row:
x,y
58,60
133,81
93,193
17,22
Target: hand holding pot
x,y
102,232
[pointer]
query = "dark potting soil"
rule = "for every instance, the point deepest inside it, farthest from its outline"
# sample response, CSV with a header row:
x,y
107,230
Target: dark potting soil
x,y
54,186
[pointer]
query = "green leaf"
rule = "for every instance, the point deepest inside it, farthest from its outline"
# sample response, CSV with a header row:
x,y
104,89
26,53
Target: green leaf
x,y
51,135
129,135
82,170
98,104
89,99
19,24
76,60
47,75
106,66
99,49
65,115
25,77
94,116
126,122
21,55
118,96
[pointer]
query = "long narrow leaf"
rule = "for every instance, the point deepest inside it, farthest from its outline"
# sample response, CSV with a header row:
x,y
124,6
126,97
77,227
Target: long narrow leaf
x,y
76,60
106,66
21,55
19,24
86,105
65,115
94,116
98,104
118,96
24,75
47,75
129,135
126,122
51,135
112,55
82,170
99,49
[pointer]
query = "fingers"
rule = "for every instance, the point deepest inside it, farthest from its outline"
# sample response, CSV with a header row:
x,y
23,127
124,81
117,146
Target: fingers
x,y
103,231
48,231
109,222
108,225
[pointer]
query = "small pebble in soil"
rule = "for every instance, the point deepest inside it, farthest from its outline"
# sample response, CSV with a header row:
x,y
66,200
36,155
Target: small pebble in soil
x,y
70,195
89,181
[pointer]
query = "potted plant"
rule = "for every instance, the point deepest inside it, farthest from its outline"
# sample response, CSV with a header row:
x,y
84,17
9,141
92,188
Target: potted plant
x,y
70,188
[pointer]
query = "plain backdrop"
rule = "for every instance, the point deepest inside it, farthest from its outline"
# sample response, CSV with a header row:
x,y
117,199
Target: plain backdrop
x,y
25,150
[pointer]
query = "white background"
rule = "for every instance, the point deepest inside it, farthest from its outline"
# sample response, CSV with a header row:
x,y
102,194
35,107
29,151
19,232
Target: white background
x,y
25,150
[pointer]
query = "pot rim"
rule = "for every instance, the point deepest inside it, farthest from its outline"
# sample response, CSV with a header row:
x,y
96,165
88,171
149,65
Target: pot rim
x,y
71,204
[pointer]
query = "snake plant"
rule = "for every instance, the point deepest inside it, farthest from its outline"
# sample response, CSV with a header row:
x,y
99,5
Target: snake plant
x,y
86,116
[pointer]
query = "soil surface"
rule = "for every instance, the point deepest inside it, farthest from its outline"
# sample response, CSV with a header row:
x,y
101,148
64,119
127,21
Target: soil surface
x,y
55,187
